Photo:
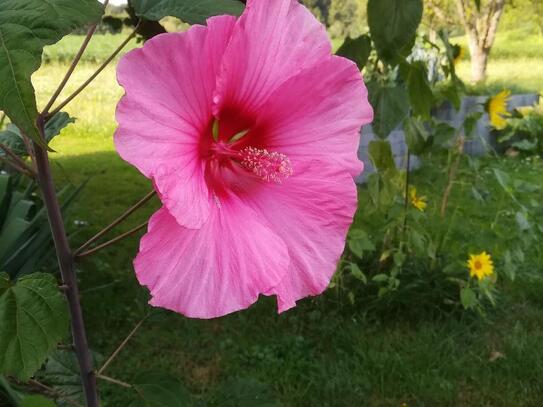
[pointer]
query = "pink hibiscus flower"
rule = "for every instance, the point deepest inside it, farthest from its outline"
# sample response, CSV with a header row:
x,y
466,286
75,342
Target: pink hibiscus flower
x,y
249,129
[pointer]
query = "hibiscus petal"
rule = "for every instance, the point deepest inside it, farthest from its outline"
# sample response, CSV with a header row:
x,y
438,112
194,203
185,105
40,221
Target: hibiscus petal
x,y
318,114
212,271
167,106
311,212
272,41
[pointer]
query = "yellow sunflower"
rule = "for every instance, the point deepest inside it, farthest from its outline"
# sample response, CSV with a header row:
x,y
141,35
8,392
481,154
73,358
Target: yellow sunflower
x,y
480,265
418,202
497,109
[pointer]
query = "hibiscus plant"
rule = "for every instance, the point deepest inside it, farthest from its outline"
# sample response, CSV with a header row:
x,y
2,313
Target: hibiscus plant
x,y
248,127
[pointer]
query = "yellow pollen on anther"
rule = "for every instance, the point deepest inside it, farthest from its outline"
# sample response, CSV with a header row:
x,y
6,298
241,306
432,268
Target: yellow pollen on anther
x,y
268,166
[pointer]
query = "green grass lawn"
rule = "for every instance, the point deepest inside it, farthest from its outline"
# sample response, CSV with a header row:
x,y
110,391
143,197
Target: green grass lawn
x,y
324,352
516,63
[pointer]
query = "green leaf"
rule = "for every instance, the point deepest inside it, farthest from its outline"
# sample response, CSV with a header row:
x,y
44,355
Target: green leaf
x,y
393,24
381,278
190,11
56,123
420,93
26,26
380,154
62,373
522,221
416,136
359,242
245,393
5,196
468,297
16,228
417,240
357,50
503,179
160,390
390,106
470,123
477,195
525,145
510,265
357,273
11,137
453,92
37,401
443,133
34,319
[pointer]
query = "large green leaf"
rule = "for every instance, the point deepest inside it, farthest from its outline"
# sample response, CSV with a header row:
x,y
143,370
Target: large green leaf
x,y
357,50
160,390
190,11
390,106
26,26
33,319
393,24
420,92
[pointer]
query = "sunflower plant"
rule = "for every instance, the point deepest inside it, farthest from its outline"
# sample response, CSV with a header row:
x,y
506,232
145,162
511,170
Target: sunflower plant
x,y
523,133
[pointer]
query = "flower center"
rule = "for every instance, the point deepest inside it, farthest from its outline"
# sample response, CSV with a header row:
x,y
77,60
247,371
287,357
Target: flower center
x,y
478,265
269,166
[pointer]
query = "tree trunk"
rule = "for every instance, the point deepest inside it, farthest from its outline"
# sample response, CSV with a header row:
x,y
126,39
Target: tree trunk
x,y
481,26
479,62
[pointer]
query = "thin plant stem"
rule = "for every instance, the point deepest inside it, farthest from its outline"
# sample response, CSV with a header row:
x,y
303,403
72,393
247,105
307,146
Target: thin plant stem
x,y
67,271
15,166
94,75
120,347
18,161
114,381
74,63
498,211
2,119
112,241
406,198
29,150
55,393
116,222
453,170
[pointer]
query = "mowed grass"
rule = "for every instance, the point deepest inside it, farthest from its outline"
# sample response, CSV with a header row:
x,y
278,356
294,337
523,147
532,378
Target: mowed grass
x,y
322,353
100,47
515,63
519,76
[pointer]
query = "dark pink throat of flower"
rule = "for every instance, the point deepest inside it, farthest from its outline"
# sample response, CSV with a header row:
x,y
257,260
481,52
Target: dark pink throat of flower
x,y
267,165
